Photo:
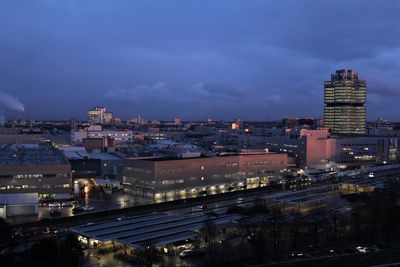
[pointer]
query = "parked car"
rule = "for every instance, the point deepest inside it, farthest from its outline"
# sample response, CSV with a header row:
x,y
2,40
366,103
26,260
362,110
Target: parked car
x,y
67,204
88,208
60,230
240,200
202,207
297,254
186,253
361,249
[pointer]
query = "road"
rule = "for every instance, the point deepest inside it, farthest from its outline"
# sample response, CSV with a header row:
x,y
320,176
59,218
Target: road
x,y
215,203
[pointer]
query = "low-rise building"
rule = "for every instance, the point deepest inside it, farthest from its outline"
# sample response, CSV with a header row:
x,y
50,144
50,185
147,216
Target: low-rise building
x,y
91,165
170,178
317,149
96,131
32,169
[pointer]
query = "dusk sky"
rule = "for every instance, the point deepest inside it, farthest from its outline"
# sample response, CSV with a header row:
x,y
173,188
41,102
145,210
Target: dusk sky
x,y
257,60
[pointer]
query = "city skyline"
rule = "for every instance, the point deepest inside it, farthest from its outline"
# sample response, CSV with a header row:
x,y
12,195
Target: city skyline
x,y
245,63
199,133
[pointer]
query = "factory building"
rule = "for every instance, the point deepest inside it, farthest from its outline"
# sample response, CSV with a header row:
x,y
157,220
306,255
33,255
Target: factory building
x,y
170,178
29,173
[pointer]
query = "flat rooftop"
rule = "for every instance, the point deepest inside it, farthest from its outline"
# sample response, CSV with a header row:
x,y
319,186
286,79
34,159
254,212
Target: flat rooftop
x,y
80,154
30,155
154,228
167,158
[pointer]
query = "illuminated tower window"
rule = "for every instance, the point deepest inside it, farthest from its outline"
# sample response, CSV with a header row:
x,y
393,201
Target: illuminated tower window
x,y
344,98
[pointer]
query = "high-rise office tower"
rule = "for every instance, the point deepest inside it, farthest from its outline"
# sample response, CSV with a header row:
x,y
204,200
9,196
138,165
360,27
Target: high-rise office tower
x,y
96,115
345,97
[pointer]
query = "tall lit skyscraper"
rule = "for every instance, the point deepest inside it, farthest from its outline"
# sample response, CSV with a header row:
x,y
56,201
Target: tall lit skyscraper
x,y
345,97
96,115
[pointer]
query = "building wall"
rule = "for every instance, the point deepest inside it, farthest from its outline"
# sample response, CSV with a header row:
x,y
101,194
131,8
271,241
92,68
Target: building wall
x,y
118,136
46,180
138,177
315,149
78,136
18,204
21,138
201,174
367,149
294,147
86,168
94,143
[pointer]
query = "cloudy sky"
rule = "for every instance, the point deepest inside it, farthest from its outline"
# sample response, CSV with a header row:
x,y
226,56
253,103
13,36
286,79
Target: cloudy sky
x,y
224,59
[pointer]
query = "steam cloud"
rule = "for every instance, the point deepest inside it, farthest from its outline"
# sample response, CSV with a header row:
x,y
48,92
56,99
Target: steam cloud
x,y
10,102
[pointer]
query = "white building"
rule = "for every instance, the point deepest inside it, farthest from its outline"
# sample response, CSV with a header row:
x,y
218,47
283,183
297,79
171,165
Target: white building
x,y
96,131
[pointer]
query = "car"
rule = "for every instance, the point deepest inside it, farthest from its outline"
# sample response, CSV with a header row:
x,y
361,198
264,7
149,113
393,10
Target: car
x,y
60,230
240,200
88,208
67,204
297,254
202,207
55,204
361,249
186,253
203,193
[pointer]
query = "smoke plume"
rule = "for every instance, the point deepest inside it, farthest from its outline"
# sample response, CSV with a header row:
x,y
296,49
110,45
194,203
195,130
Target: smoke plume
x,y
10,102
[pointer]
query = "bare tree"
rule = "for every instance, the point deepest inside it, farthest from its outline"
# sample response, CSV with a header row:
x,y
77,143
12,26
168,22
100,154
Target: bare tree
x,y
147,256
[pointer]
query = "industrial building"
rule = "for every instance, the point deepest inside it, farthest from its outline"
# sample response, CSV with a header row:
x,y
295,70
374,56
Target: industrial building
x,y
97,131
91,165
318,149
169,178
31,172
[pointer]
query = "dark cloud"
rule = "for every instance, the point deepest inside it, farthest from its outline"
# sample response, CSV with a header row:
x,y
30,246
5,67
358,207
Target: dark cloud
x,y
198,101
223,59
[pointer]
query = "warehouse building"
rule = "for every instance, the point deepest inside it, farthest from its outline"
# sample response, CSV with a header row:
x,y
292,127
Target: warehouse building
x,y
167,178
29,173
